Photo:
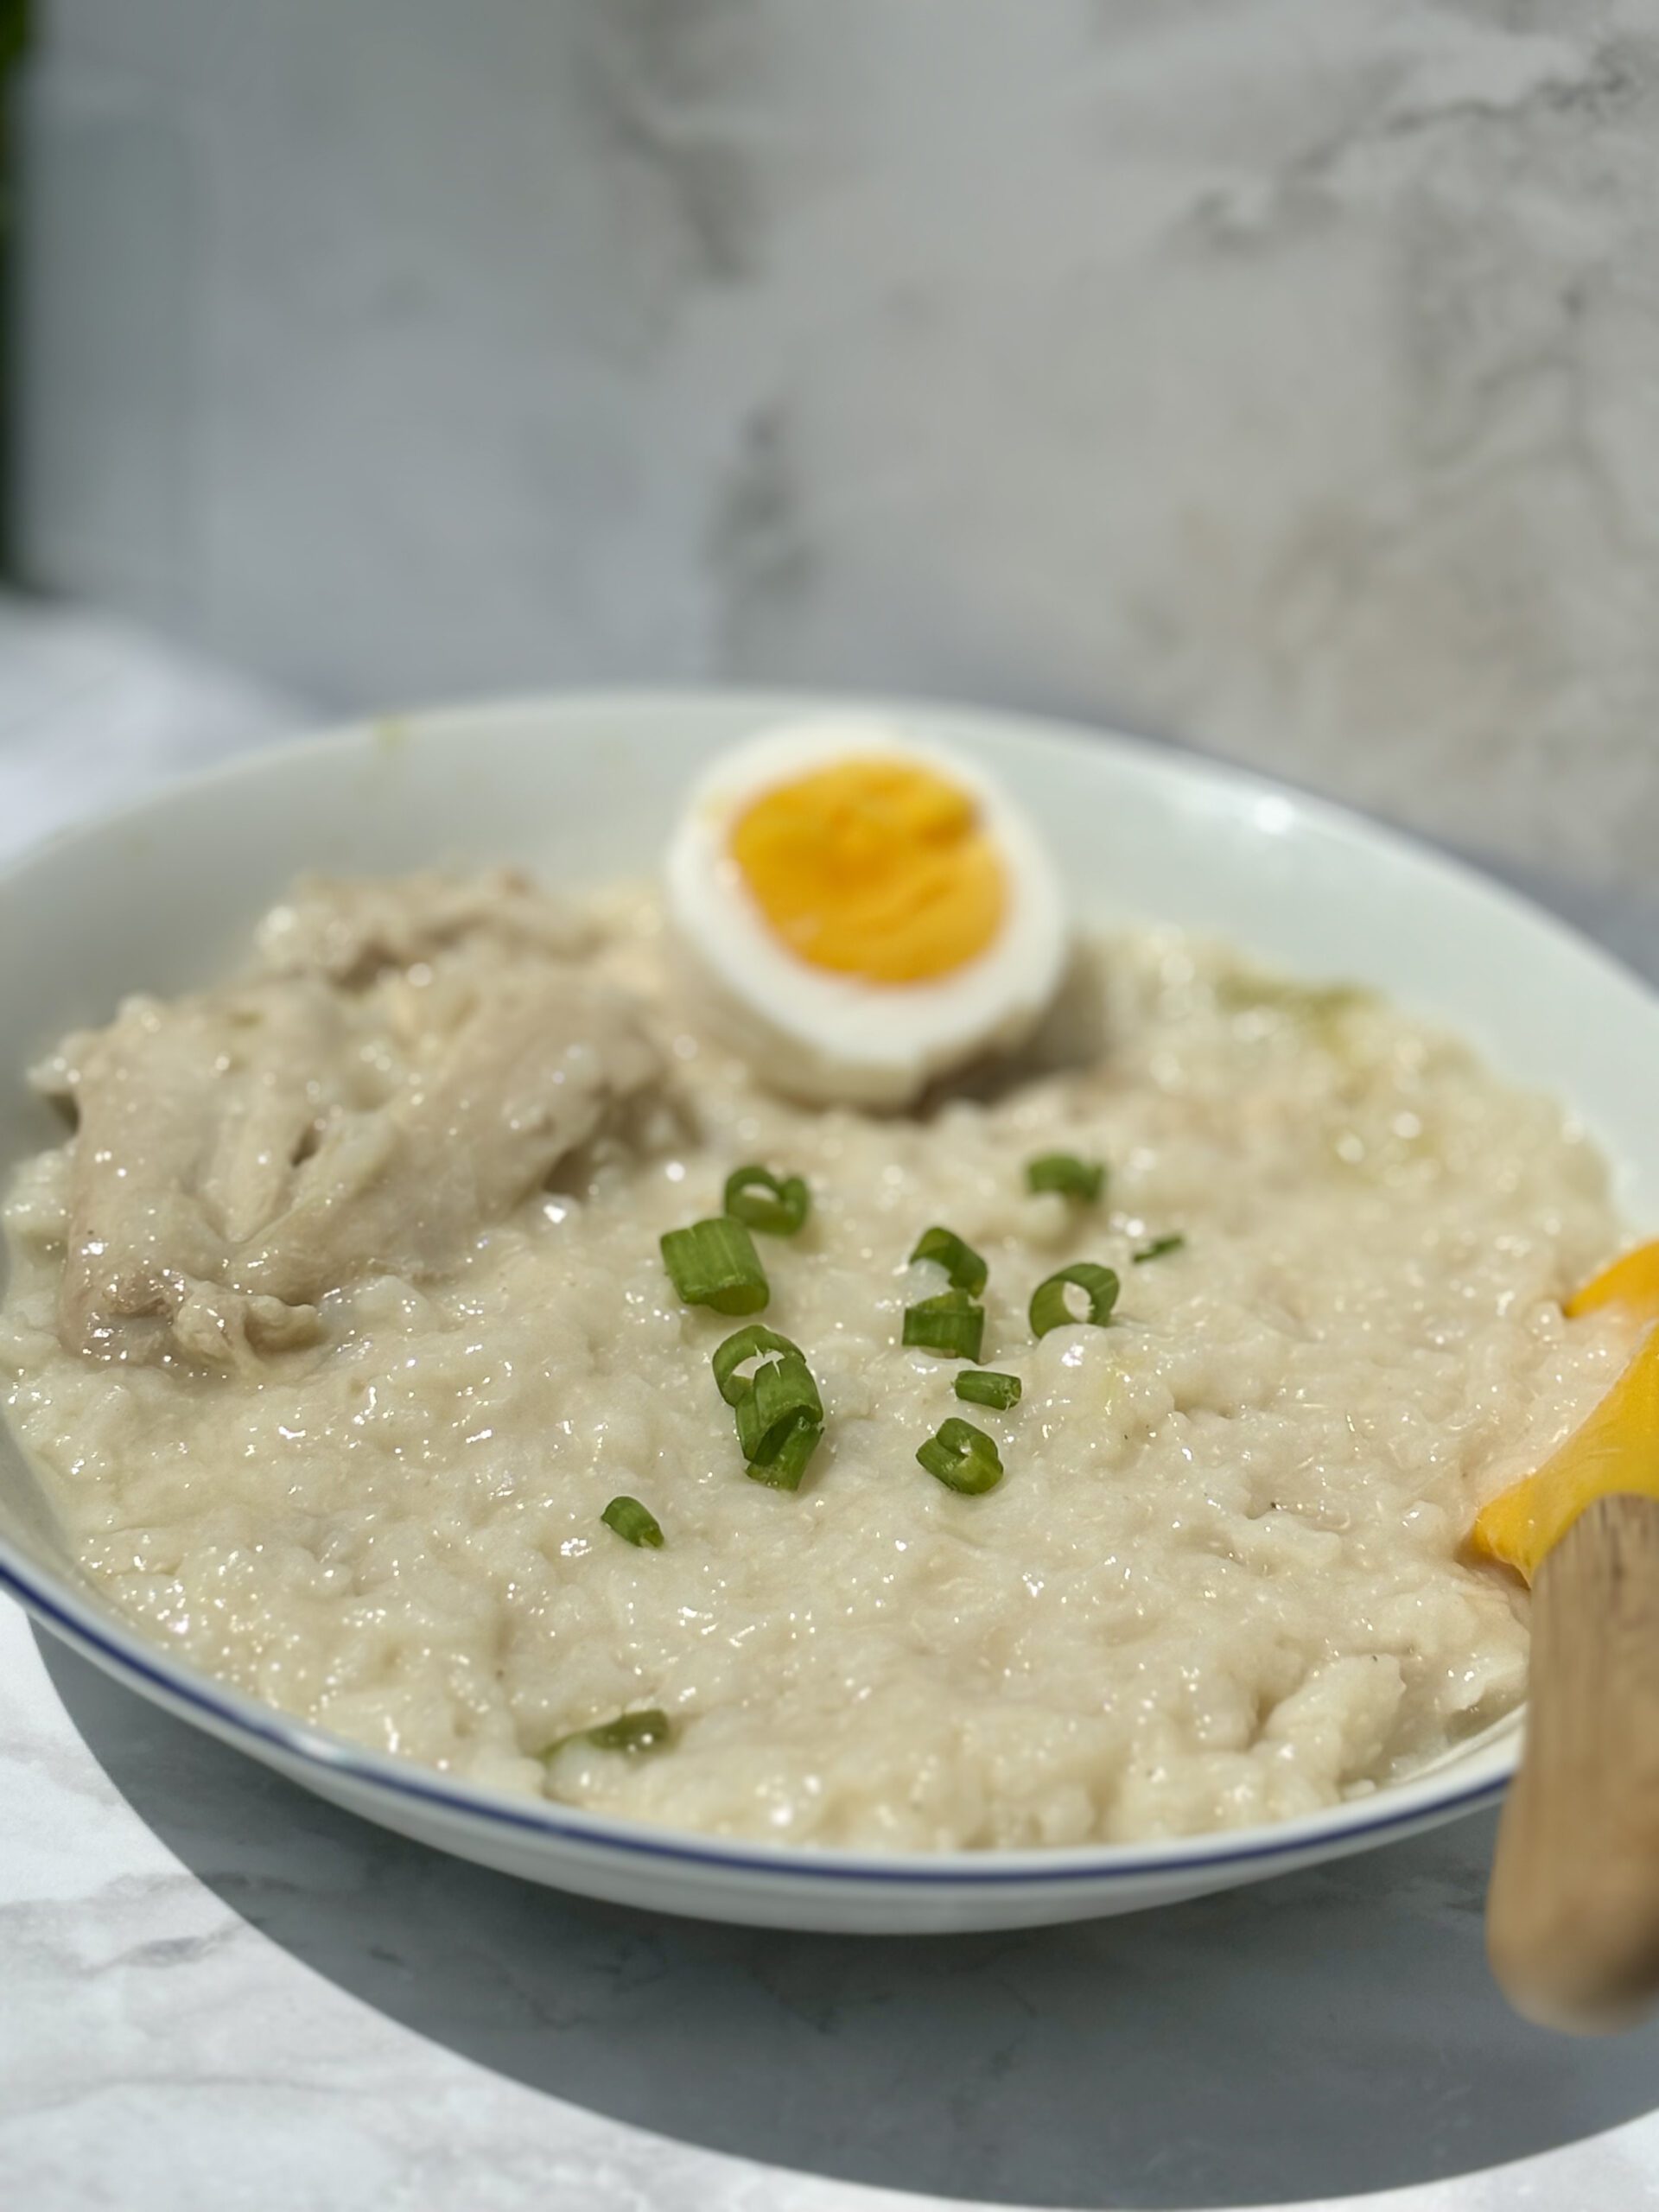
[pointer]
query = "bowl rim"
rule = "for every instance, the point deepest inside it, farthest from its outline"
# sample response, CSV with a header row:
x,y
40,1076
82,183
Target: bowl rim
x,y
1443,1790
51,1600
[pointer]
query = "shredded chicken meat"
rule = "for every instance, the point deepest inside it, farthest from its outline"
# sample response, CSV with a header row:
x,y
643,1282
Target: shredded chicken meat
x,y
403,1069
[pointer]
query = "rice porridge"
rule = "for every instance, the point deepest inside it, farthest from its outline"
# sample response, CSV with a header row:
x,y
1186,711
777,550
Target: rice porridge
x,y
339,1322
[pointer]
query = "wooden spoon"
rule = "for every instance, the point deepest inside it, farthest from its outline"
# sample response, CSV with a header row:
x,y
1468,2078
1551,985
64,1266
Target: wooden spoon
x,y
1573,1912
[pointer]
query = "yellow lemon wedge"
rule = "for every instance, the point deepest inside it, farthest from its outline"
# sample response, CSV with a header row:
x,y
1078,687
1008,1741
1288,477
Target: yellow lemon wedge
x,y
1616,1449
1632,1280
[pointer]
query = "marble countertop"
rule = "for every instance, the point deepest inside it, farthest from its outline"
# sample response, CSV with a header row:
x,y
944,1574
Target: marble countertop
x,y
216,1992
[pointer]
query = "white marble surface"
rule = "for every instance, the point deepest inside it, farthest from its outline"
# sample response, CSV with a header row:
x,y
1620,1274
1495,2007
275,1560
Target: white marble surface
x,y
216,1992
1281,372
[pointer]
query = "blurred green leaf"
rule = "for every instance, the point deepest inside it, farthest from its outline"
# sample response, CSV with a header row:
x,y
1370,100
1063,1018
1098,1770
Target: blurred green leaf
x,y
17,31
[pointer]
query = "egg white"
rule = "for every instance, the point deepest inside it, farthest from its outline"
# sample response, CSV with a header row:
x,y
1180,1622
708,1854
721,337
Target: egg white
x,y
841,1038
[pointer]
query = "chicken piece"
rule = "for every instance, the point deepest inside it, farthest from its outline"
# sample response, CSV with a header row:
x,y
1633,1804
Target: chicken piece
x,y
189,1117
352,929
242,1153
525,1078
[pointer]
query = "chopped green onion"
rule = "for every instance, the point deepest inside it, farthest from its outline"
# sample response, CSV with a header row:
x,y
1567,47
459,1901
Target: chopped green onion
x,y
776,1206
787,1462
633,1732
629,1731
746,1343
779,1412
634,1522
784,1393
983,1386
714,1263
951,1323
962,1458
961,1263
1051,1308
1083,1179
748,1425
1158,1247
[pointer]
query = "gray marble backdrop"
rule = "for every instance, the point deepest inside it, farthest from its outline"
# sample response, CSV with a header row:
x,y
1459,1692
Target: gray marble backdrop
x,y
1281,375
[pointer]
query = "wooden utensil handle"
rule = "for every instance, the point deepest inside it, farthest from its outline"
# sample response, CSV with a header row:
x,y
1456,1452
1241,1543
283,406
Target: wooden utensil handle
x,y
1572,1912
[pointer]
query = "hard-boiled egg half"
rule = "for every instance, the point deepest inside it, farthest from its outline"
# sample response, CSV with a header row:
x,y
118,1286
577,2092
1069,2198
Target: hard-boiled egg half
x,y
859,911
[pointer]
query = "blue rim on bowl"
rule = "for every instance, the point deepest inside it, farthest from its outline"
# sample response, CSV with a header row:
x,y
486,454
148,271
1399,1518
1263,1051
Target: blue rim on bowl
x,y
336,1755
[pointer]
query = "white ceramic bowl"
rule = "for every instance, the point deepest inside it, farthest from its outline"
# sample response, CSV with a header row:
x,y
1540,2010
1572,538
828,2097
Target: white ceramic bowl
x,y
585,788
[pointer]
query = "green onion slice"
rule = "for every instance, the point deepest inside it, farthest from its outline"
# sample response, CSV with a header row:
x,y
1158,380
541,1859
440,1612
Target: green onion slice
x,y
962,1458
1083,1179
951,1323
630,1731
786,1462
779,1412
961,1263
748,1426
785,1393
1051,1308
714,1263
634,1522
776,1206
746,1343
1158,1247
983,1386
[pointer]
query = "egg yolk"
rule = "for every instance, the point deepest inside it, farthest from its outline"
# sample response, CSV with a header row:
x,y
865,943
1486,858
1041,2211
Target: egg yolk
x,y
874,867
